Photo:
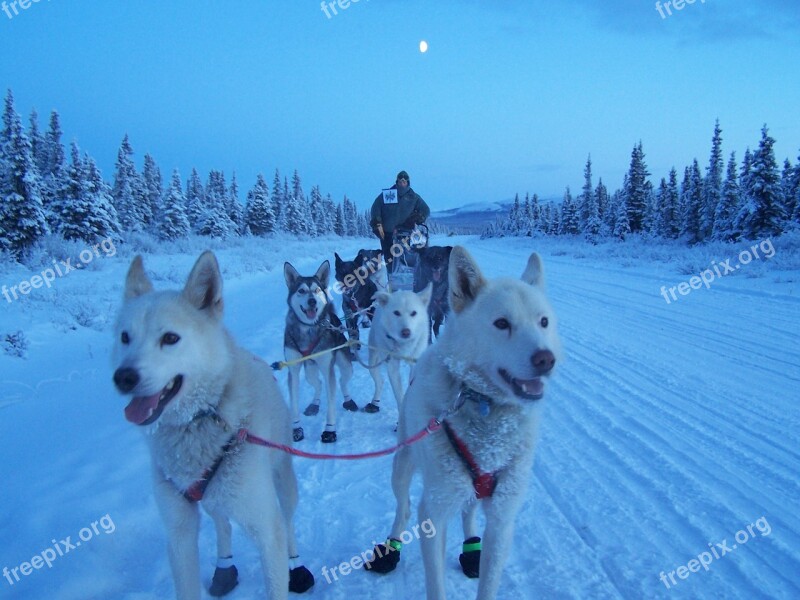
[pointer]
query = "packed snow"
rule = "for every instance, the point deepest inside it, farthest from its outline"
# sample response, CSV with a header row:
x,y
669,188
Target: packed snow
x,y
667,465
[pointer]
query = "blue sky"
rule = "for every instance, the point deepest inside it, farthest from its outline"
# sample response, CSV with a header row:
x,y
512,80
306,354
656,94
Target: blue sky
x,y
511,97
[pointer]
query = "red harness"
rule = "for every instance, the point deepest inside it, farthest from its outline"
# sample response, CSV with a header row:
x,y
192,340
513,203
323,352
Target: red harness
x,y
194,493
484,483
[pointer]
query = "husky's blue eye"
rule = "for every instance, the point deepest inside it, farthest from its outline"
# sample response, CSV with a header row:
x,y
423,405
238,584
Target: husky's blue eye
x,y
170,339
502,324
544,322
125,338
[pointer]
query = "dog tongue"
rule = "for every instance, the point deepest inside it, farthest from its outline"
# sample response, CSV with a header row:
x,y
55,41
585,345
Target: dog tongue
x,y
531,386
311,313
141,407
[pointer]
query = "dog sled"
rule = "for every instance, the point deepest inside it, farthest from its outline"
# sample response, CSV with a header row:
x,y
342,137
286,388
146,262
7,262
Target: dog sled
x,y
405,265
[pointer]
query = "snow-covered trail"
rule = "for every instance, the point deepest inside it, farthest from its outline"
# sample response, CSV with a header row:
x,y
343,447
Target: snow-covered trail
x,y
667,427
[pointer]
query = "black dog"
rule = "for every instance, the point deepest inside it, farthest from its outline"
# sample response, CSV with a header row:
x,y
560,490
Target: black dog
x,y
433,267
357,291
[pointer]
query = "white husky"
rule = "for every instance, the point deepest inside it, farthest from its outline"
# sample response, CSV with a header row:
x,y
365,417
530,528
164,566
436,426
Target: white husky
x,y
192,388
484,378
399,333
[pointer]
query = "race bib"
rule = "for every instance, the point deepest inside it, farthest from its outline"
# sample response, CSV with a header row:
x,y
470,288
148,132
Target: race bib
x,y
390,196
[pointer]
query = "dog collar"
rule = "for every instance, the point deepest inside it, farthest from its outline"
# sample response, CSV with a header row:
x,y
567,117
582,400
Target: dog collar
x,y
484,401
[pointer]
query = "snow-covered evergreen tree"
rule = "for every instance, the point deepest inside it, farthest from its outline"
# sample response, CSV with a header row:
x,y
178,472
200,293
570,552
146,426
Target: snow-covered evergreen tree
x,y
570,219
129,193
669,207
235,208
22,217
102,220
589,206
217,223
279,202
712,185
728,207
622,226
196,209
692,203
174,223
153,191
54,174
636,192
537,227
76,208
339,227
316,209
329,214
763,214
38,144
259,216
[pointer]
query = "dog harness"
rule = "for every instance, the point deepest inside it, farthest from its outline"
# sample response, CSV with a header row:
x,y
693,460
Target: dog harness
x,y
484,483
194,493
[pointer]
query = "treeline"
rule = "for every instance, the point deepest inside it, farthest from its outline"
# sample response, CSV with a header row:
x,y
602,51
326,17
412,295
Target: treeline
x,y
755,201
43,191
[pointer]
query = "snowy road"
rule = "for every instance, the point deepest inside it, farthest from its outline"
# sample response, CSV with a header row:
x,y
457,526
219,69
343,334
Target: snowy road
x,y
669,430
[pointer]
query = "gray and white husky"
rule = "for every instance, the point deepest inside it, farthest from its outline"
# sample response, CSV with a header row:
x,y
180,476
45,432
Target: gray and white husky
x,y
312,326
192,388
485,378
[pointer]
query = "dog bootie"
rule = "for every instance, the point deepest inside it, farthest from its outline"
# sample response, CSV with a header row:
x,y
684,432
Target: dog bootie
x,y
224,581
372,408
297,434
300,580
386,557
328,437
312,409
350,405
470,559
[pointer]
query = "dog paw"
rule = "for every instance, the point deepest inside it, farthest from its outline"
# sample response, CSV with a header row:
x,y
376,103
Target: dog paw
x,y
328,437
470,559
311,410
350,405
372,408
297,434
300,580
385,561
224,581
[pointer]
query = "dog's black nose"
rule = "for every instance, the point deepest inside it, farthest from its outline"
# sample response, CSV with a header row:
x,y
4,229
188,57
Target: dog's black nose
x,y
406,333
543,361
312,302
126,379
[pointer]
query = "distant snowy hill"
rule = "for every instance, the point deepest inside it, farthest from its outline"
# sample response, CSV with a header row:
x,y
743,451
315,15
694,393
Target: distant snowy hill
x,y
474,217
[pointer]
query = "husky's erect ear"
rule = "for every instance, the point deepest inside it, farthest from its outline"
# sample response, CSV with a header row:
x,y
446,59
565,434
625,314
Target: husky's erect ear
x,y
323,273
137,282
382,298
534,272
338,258
290,274
465,278
203,289
425,295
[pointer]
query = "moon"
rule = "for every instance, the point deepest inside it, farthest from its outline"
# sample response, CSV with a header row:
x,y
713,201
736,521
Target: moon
x,y
423,46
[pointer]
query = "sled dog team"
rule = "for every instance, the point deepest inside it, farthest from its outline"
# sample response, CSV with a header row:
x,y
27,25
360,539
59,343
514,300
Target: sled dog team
x,y
477,390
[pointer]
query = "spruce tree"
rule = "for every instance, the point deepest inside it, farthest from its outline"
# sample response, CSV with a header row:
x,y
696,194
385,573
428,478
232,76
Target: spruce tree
x,y
129,193
339,224
153,191
76,208
590,209
712,185
669,207
259,216
196,209
174,223
22,217
235,208
279,202
636,192
217,223
763,214
622,226
570,219
728,207
316,209
38,144
54,174
102,220
692,201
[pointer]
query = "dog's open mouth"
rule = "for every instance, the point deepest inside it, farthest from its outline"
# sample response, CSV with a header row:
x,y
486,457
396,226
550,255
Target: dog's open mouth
x,y
529,389
310,313
144,410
